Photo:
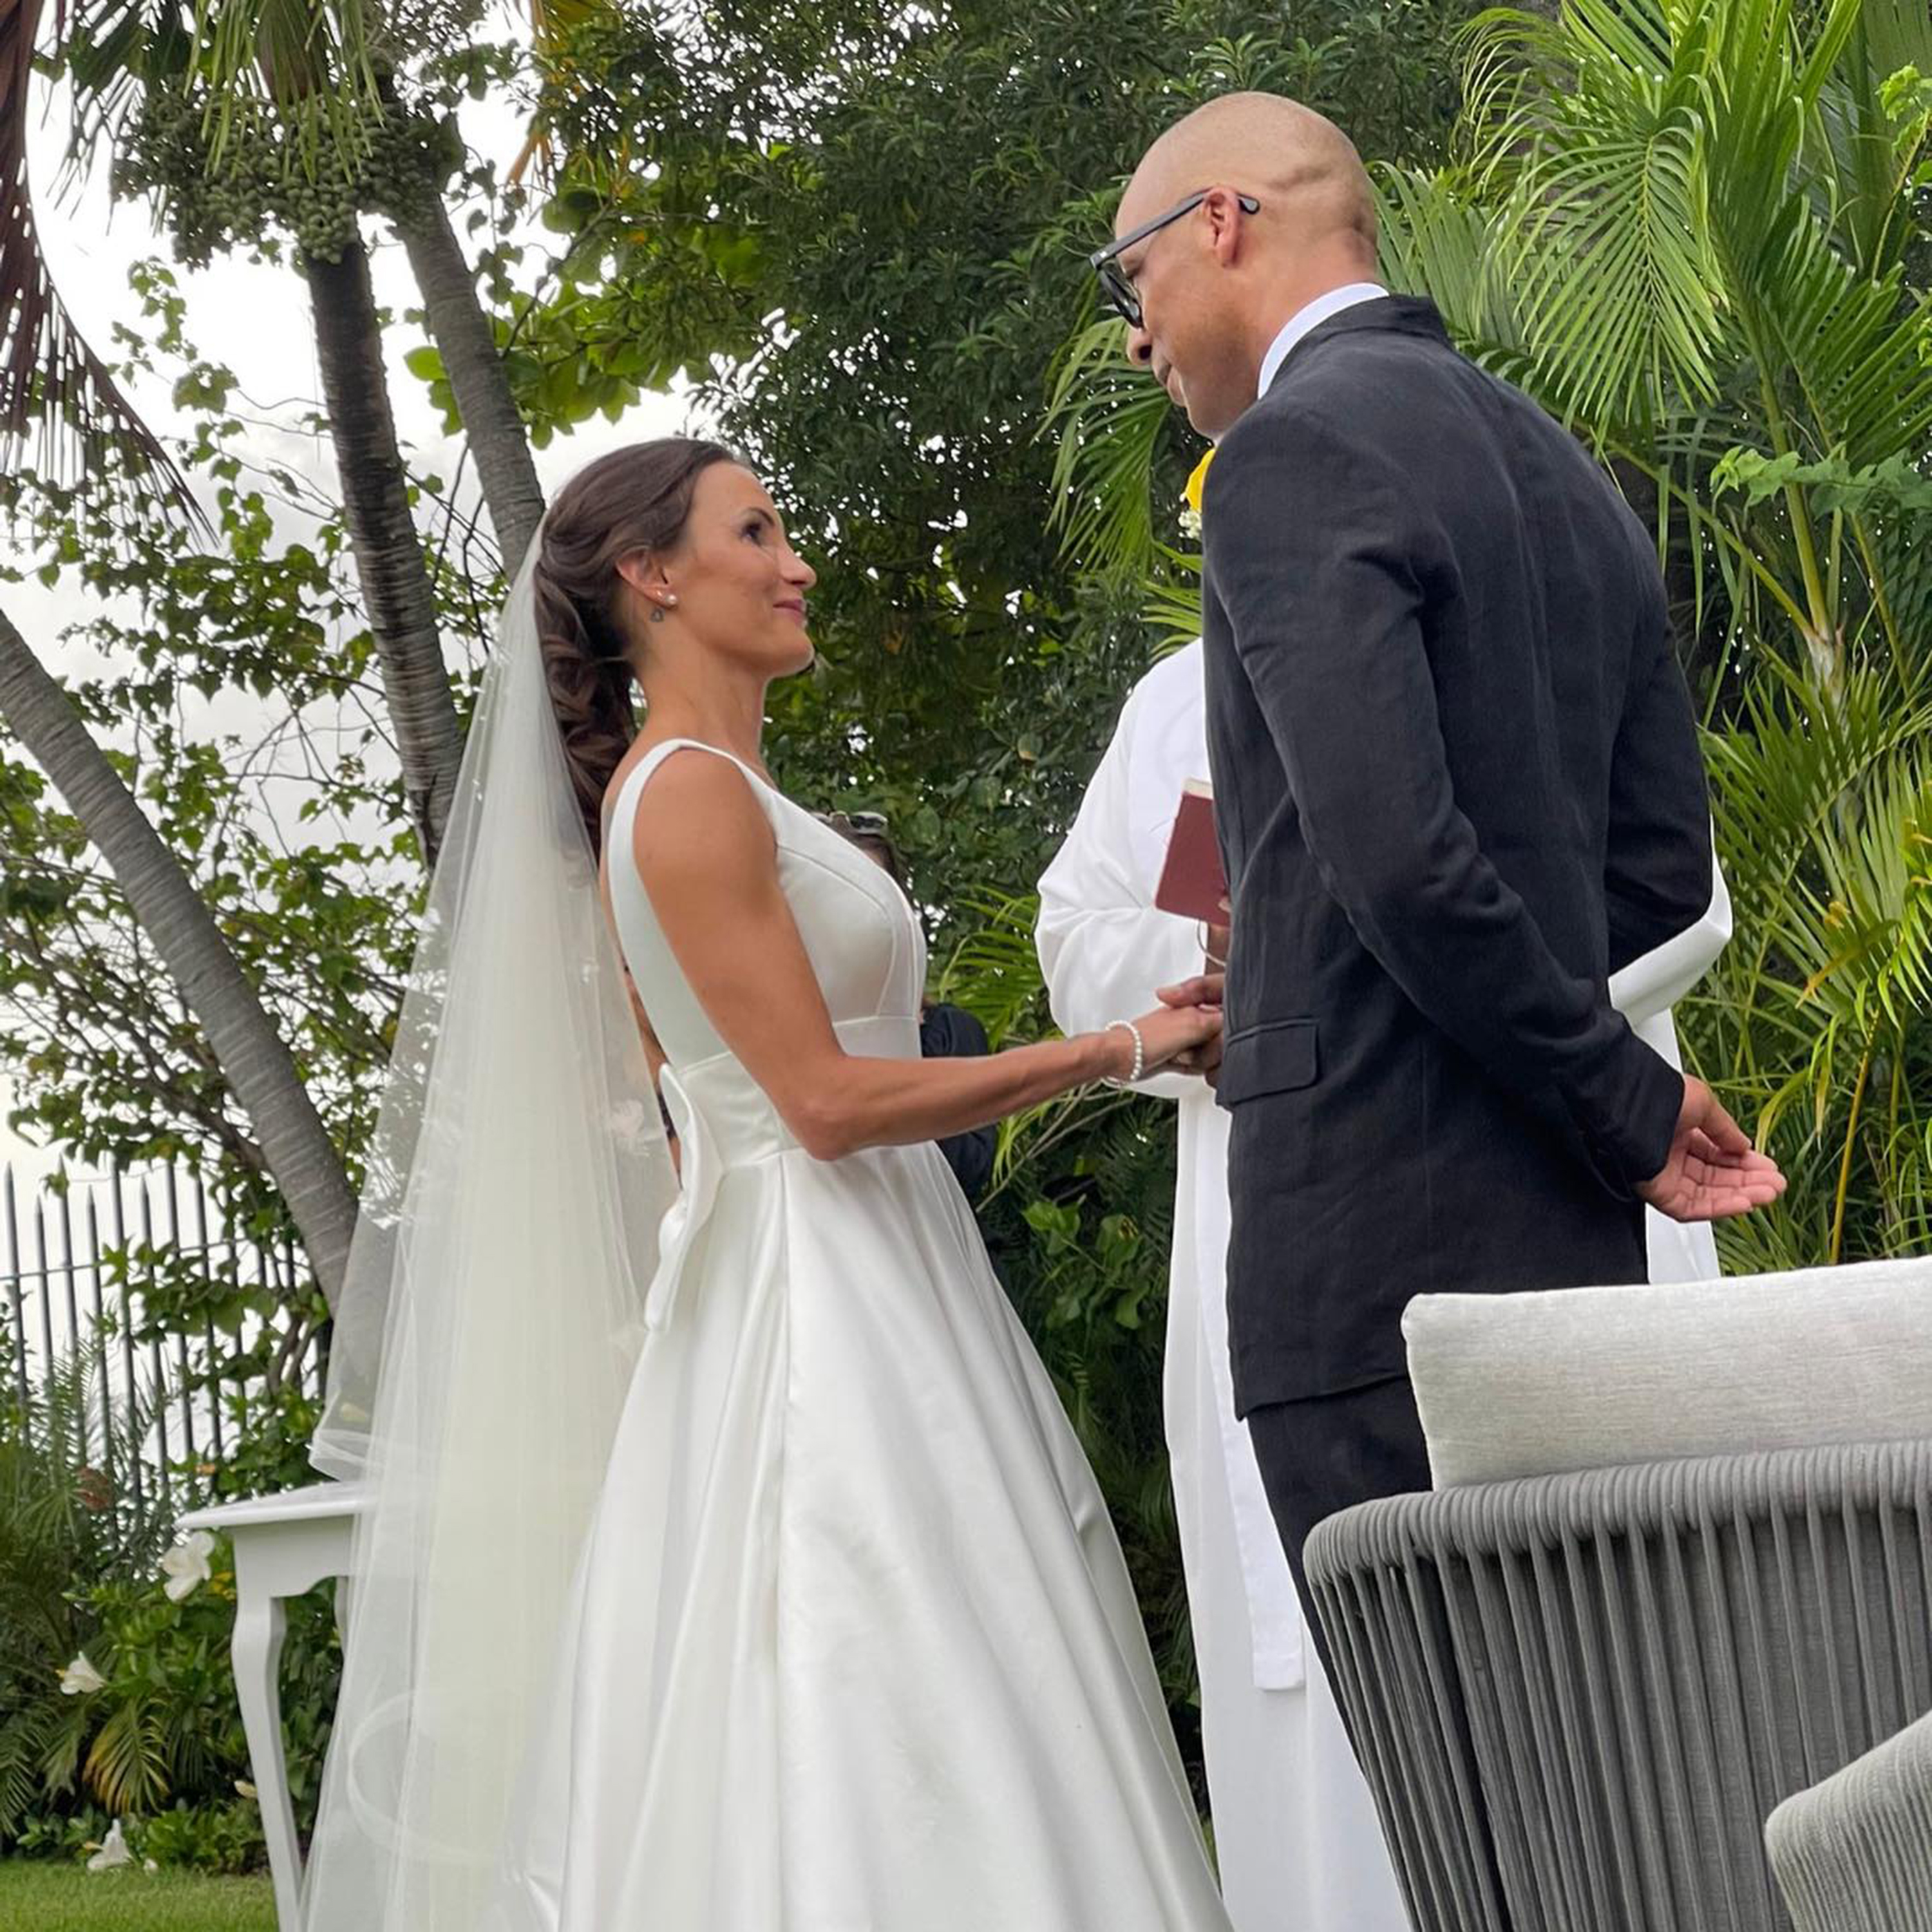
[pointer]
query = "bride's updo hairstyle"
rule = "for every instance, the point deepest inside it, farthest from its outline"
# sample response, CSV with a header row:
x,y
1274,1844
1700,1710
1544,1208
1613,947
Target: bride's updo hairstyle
x,y
633,500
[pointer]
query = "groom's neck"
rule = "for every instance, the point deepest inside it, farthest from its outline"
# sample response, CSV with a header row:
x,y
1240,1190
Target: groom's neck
x,y
1310,275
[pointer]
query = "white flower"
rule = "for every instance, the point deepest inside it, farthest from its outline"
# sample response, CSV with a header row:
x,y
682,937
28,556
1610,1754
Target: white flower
x,y
244,1789
80,1678
114,1852
1190,524
148,1865
186,1565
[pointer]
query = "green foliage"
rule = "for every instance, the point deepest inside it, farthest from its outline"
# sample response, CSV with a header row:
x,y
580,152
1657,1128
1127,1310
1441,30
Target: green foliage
x,y
213,1837
1816,1018
63,1524
158,1741
1761,322
242,703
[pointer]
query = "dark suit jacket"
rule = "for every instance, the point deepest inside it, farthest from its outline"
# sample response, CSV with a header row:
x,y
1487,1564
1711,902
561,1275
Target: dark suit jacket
x,y
1457,784
951,1032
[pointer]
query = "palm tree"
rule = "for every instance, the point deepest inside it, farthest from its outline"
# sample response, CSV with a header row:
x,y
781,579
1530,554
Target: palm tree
x,y
1691,228
397,596
255,1061
257,69
51,382
493,425
276,107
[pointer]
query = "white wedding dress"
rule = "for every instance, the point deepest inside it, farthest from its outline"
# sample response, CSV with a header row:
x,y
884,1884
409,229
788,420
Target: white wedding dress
x,y
853,1647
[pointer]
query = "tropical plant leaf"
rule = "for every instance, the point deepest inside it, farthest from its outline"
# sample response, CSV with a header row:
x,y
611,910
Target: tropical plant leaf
x,y
1605,239
127,1766
52,386
1110,420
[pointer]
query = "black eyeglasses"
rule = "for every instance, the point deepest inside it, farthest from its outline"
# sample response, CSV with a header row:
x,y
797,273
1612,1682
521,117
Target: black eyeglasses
x,y
1105,262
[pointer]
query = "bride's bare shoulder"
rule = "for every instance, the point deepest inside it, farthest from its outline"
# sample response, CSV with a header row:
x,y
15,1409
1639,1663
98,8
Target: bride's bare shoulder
x,y
698,821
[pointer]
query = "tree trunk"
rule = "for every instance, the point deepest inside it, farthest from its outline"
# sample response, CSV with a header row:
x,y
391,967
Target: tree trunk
x,y
389,561
467,344
253,1058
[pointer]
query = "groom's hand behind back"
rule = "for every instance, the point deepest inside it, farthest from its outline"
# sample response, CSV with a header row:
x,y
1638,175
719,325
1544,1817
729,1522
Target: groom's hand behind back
x,y
1714,1172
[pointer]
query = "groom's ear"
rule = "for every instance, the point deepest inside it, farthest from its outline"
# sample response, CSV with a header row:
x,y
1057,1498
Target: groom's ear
x,y
1227,225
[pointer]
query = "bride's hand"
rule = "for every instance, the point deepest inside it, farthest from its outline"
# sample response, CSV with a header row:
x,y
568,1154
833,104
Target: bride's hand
x,y
1171,1033
1204,990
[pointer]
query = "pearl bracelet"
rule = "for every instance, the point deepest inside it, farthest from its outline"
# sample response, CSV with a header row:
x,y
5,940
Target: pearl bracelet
x,y
1140,1055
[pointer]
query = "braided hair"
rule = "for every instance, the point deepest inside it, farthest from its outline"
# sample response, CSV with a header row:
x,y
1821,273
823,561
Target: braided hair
x,y
632,500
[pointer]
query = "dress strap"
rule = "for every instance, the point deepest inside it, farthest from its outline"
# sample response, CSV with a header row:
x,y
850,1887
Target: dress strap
x,y
642,772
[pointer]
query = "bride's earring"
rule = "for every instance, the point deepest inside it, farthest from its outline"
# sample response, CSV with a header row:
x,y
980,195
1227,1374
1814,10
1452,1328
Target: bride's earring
x,y
668,602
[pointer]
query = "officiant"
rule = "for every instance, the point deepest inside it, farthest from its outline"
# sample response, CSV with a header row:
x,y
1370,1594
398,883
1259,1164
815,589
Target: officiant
x,y
1295,1832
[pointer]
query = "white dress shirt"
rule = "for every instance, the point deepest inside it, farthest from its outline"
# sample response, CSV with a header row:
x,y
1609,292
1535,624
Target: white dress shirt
x,y
1312,316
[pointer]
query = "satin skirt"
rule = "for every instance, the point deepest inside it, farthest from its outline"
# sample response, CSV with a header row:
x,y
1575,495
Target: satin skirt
x,y
853,1646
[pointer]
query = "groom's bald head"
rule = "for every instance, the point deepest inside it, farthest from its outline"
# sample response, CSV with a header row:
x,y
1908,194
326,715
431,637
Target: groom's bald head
x,y
1216,285
1274,149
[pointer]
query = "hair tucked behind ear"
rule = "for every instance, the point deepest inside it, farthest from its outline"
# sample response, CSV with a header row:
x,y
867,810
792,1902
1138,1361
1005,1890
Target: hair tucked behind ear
x,y
633,500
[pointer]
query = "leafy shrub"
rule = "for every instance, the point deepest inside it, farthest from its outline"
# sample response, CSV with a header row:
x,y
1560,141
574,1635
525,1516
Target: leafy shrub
x,y
115,1699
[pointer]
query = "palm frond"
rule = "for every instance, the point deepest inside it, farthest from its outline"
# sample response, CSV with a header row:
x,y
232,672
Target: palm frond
x,y
1860,930
1865,158
1602,223
1822,797
1865,380
128,1765
1438,239
305,67
1110,420
1172,606
58,401
994,970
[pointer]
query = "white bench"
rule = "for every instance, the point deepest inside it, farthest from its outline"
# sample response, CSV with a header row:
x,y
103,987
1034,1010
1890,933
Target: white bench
x,y
284,1545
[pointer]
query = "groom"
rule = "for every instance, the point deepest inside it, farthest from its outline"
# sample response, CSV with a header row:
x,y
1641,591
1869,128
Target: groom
x,y
1457,786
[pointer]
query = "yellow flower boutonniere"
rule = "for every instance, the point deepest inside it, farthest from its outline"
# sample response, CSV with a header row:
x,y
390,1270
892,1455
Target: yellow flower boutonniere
x,y
1197,485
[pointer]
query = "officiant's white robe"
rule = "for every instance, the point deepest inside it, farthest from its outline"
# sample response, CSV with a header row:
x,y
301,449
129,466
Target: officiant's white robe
x,y
1295,1831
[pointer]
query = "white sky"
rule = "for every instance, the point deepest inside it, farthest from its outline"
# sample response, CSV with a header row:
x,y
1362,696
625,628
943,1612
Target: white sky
x,y
255,320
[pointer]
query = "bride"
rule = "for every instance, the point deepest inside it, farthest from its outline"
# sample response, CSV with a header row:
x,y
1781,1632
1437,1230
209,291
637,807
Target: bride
x,y
727,1563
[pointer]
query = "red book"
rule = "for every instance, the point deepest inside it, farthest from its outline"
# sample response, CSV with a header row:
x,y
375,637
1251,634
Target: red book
x,y
1192,882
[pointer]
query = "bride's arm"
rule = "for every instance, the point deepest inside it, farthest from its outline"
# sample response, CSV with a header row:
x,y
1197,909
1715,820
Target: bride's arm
x,y
703,849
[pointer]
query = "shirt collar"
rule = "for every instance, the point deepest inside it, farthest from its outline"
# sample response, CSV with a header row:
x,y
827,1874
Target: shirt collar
x,y
1311,317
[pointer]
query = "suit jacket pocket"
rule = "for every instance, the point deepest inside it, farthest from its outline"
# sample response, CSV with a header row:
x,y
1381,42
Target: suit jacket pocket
x,y
1275,1058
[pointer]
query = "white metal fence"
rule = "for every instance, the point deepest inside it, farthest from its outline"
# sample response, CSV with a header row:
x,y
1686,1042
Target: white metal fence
x,y
73,1263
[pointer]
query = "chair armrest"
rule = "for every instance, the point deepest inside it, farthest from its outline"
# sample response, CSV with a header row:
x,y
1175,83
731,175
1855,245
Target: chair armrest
x,y
1854,1854
1593,1688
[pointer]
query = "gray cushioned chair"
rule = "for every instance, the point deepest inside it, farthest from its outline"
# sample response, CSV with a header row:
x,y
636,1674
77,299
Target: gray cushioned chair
x,y
1854,1854
1578,1696
1676,1567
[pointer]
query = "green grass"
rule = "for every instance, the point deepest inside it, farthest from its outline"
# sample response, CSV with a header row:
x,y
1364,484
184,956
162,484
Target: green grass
x,y
36,1896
